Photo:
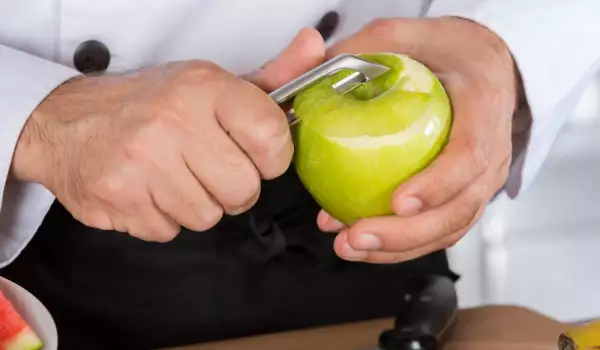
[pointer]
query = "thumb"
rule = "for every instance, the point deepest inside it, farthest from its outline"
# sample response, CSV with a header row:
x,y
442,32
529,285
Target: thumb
x,y
397,35
306,51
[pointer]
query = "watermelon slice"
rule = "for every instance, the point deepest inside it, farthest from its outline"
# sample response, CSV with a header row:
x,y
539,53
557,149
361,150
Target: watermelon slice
x,y
15,333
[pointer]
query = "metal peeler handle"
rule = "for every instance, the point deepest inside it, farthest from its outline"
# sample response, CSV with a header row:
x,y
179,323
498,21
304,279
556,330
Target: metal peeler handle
x,y
365,71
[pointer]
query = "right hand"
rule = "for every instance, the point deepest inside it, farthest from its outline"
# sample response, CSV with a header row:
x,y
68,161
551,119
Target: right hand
x,y
175,145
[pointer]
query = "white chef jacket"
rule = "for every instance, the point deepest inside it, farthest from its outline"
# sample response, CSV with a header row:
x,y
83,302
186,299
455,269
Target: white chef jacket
x,y
554,43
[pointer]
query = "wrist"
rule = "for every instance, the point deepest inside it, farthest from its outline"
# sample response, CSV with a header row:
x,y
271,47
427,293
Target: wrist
x,y
30,152
35,152
505,72
490,57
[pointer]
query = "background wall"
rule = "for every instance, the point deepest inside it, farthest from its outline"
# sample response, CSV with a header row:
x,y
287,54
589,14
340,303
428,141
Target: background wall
x,y
542,250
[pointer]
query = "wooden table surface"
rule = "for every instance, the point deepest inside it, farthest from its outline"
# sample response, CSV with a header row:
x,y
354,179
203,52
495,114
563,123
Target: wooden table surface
x,y
484,328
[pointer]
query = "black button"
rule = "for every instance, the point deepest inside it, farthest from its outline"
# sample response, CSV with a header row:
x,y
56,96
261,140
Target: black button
x,y
91,56
328,24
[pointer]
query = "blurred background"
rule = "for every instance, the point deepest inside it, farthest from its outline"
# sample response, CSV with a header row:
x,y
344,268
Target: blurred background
x,y
542,250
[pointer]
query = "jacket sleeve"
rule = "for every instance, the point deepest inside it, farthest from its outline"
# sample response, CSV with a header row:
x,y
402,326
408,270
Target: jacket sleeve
x,y
25,80
554,44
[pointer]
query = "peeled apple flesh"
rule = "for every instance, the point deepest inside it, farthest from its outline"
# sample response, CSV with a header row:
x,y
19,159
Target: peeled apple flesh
x,y
353,150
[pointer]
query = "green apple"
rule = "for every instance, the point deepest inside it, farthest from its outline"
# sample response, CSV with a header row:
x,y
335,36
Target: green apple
x,y
353,150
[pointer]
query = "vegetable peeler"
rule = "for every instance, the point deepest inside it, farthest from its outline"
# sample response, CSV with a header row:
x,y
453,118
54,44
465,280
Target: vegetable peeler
x,y
364,71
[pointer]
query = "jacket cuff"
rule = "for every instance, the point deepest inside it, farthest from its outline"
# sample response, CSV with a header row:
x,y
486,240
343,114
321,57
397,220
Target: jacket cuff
x,y
26,81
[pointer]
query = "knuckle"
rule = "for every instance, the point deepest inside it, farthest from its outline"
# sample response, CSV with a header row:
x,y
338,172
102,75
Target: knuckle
x,y
213,216
278,167
476,196
184,76
120,190
165,234
505,159
143,235
464,213
137,149
140,150
502,174
208,217
151,227
478,154
381,27
453,239
139,235
470,211
97,220
119,225
446,244
203,67
243,195
270,136
196,70
113,188
153,237
164,117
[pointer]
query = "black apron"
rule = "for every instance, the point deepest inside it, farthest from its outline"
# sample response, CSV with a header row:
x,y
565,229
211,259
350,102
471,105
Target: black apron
x,y
267,270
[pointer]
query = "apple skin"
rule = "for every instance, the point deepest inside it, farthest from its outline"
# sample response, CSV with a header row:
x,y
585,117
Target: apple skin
x,y
352,151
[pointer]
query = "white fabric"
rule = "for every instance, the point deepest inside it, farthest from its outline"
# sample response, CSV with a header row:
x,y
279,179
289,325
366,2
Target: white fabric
x,y
554,44
25,81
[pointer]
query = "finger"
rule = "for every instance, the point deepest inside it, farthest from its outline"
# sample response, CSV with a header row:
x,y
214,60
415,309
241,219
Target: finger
x,y
453,169
422,39
458,166
256,122
93,215
183,198
151,224
118,221
397,234
258,125
345,251
463,161
96,218
174,187
223,168
306,51
327,223
142,219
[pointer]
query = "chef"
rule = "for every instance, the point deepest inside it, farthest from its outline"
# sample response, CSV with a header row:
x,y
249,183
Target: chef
x,y
147,194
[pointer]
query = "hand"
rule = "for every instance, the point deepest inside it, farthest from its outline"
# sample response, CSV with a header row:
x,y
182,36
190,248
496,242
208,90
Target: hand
x,y
436,207
177,144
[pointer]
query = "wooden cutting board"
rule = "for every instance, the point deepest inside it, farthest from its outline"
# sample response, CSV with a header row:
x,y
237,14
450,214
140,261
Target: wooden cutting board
x,y
483,328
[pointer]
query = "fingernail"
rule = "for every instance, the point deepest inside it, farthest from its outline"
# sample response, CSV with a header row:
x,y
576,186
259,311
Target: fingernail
x,y
349,253
410,206
329,223
334,225
367,241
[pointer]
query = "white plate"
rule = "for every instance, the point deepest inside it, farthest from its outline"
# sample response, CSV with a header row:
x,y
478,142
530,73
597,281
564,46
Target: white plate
x,y
33,312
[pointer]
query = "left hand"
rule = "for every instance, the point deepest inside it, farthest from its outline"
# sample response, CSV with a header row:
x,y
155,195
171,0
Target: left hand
x,y
436,207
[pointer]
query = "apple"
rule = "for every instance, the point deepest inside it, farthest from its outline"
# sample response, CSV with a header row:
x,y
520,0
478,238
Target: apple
x,y
353,150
